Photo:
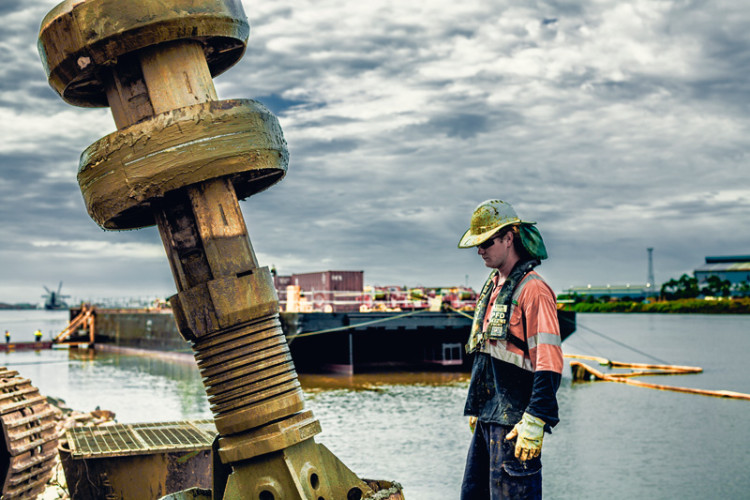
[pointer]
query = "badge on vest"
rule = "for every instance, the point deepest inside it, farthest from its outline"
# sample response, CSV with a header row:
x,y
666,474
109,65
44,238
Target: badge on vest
x,y
498,318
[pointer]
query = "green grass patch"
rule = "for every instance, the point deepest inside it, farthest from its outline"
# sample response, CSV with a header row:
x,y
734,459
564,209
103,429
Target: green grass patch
x,y
682,306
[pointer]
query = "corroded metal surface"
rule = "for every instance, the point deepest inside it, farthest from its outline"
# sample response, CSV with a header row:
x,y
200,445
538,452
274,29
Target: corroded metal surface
x,y
122,174
220,304
136,476
137,439
300,471
78,39
182,159
385,490
270,438
28,424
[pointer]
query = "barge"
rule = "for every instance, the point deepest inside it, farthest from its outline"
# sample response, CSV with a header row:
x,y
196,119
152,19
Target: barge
x,y
339,342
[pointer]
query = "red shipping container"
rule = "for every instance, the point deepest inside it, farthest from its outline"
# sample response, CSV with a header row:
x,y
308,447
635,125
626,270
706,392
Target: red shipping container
x,y
337,291
280,283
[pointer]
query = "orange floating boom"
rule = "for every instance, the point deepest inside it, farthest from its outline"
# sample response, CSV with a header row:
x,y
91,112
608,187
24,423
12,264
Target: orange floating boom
x,y
582,371
645,366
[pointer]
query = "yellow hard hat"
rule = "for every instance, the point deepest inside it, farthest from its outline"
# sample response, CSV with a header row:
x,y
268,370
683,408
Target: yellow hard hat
x,y
489,218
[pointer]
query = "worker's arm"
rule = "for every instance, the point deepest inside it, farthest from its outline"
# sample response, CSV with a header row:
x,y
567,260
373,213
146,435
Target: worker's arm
x,y
545,351
543,340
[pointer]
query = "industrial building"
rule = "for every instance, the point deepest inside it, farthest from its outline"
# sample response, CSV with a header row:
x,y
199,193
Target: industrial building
x,y
733,268
634,292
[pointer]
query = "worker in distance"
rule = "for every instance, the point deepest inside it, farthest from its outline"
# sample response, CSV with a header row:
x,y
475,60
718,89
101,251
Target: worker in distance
x,y
515,340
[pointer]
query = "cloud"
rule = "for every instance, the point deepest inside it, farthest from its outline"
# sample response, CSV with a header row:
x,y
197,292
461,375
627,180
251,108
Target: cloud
x,y
616,125
83,249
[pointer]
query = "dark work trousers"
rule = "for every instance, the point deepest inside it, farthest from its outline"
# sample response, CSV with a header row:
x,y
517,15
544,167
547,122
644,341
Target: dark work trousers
x,y
492,470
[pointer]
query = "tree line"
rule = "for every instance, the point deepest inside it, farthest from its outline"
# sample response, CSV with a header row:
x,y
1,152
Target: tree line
x,y
687,287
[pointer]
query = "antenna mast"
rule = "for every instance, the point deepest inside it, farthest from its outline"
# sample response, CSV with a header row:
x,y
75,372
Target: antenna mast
x,y
651,283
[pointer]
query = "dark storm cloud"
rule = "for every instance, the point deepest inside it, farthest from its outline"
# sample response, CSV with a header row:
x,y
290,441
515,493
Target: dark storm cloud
x,y
273,14
17,77
630,90
561,8
9,6
30,97
324,121
278,105
707,208
327,147
459,32
461,125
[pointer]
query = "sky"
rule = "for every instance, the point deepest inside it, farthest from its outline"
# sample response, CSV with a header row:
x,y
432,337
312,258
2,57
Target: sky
x,y
616,125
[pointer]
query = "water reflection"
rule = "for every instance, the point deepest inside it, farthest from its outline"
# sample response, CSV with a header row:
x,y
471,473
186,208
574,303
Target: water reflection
x,y
378,381
409,427
82,354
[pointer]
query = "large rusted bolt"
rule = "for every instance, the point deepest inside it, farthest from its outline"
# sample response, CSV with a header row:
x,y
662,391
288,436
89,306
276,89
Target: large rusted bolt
x,y
123,174
181,159
165,142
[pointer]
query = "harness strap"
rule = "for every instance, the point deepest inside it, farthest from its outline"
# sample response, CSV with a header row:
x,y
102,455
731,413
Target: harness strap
x,y
522,344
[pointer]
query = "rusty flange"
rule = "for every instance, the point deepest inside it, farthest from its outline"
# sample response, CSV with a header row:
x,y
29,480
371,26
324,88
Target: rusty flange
x,y
304,470
30,435
79,37
122,174
223,303
259,414
270,438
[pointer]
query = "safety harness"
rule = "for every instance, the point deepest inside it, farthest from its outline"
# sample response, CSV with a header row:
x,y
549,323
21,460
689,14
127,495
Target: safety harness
x,y
497,328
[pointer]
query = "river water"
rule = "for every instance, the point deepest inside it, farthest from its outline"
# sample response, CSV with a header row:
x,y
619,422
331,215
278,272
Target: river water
x,y
614,441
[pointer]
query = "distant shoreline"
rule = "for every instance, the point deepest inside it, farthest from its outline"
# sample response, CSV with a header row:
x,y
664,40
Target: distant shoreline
x,y
17,307
682,306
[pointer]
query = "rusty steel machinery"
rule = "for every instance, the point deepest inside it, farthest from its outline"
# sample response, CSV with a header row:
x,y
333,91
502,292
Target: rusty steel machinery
x,y
30,435
181,159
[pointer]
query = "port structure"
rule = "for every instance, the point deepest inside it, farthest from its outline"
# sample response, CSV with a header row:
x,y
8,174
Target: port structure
x,y
181,159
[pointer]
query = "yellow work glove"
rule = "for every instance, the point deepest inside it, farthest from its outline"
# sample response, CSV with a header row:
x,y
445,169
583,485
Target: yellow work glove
x,y
472,423
530,432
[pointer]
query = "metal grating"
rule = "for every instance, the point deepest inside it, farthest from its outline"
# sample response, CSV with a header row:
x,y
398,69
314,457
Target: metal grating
x,y
140,439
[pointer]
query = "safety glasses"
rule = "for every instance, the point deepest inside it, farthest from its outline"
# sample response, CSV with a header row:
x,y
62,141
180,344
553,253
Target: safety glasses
x,y
487,244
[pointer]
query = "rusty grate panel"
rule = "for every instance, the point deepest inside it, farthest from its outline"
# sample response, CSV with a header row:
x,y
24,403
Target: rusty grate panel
x,y
140,439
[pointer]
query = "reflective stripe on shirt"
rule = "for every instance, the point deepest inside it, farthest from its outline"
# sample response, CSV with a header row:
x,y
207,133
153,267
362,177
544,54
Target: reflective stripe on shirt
x,y
543,338
498,349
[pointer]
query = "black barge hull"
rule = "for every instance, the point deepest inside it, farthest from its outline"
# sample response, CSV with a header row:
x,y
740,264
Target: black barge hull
x,y
325,342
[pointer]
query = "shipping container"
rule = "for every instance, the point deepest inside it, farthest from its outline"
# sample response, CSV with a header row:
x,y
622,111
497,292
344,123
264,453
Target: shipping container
x,y
280,283
331,291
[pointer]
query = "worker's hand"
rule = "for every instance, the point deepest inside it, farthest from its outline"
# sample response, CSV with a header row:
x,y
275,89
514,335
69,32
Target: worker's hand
x,y
529,433
472,423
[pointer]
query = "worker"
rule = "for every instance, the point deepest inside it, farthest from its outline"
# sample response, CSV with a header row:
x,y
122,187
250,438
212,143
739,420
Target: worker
x,y
38,335
7,337
517,366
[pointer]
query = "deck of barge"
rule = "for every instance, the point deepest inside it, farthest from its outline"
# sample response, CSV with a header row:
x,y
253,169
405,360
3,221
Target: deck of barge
x,y
324,342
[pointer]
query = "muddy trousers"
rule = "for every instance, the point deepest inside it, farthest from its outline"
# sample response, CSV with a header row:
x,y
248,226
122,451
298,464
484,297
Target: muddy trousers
x,y
494,473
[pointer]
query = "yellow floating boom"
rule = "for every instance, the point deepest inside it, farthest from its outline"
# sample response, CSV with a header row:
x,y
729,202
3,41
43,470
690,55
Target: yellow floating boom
x,y
582,371
652,369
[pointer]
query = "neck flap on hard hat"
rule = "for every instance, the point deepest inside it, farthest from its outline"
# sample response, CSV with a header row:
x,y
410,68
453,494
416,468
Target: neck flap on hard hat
x,y
532,241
